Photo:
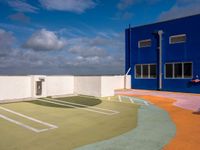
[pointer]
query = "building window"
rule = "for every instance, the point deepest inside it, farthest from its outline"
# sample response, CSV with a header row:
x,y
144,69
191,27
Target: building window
x,y
145,71
138,71
188,70
181,38
180,70
169,70
144,43
152,71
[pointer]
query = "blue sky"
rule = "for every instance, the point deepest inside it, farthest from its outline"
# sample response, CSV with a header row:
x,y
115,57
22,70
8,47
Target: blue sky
x,y
80,37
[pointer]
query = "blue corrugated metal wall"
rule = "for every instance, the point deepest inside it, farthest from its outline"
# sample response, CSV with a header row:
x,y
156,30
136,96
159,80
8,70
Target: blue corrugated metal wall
x,y
180,52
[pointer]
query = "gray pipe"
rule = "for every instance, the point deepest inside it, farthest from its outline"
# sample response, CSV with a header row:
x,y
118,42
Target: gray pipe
x,y
160,33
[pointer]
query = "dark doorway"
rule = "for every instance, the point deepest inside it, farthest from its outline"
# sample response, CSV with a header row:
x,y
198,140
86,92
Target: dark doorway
x,y
38,88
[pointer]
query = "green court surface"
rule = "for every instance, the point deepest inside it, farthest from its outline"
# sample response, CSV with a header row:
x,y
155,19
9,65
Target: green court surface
x,y
63,123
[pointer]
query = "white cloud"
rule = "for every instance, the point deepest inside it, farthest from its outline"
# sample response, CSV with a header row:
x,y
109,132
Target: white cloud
x,y
100,54
6,42
123,4
100,45
44,40
21,17
87,51
77,6
22,6
123,16
180,9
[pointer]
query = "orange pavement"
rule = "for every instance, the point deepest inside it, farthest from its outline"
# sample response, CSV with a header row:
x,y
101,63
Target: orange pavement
x,y
187,124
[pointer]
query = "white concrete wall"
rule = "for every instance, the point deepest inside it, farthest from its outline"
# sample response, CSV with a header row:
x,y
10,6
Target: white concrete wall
x,y
60,85
88,85
110,83
15,87
18,87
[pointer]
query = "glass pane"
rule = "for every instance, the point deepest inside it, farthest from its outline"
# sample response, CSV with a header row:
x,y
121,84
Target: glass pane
x,y
152,71
145,70
138,72
178,39
145,43
169,70
178,70
187,70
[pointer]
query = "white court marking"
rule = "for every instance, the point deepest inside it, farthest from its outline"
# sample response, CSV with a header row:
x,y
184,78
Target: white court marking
x,y
51,126
92,107
69,104
119,97
132,101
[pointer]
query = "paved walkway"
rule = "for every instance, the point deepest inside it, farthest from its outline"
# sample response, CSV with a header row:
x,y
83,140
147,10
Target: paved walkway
x,y
187,124
182,100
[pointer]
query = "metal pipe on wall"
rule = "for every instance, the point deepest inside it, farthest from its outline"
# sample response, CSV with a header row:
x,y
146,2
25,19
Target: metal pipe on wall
x,y
160,33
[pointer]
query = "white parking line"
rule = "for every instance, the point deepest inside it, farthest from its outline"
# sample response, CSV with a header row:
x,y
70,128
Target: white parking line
x,y
29,118
69,104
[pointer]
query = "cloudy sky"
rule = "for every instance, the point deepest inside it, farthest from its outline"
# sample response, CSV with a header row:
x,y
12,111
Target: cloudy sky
x,y
80,37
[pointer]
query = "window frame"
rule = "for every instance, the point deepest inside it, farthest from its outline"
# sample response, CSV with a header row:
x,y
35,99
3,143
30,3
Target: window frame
x,y
140,71
149,76
173,70
178,35
146,40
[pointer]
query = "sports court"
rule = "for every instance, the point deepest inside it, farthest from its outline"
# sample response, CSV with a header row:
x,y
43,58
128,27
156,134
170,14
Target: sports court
x,y
63,123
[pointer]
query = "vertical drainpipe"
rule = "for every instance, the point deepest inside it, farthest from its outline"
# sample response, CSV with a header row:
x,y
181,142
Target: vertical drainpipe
x,y
160,33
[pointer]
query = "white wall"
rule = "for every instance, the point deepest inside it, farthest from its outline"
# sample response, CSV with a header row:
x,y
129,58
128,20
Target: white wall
x,y
18,87
100,86
60,85
15,87
110,83
88,85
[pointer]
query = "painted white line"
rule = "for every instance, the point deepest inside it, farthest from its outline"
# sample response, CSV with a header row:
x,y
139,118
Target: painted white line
x,y
146,103
91,107
135,101
132,101
29,118
119,97
19,123
61,104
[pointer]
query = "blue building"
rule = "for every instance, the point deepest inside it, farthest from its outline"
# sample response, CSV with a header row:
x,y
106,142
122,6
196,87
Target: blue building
x,y
165,55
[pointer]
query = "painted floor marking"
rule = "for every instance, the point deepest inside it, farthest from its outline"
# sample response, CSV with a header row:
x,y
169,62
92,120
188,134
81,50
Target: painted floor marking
x,y
119,97
58,102
91,107
132,101
51,126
